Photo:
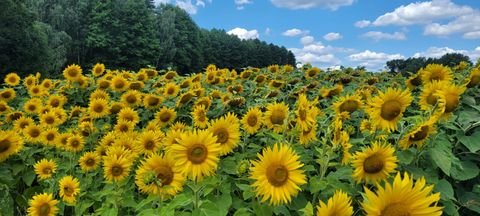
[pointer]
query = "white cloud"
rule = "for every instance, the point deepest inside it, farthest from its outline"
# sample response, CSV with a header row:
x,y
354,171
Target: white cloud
x,y
377,36
437,52
373,60
472,35
422,13
332,36
268,31
244,34
306,4
241,3
463,24
294,32
307,40
187,5
362,23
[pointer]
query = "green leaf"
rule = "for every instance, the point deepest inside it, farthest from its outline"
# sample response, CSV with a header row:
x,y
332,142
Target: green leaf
x,y
242,212
405,157
450,208
82,206
6,176
262,209
148,212
471,142
6,201
441,154
28,177
229,165
470,201
445,189
308,210
465,170
316,184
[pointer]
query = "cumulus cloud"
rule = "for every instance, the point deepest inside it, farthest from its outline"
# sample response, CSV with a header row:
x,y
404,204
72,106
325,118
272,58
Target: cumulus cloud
x,y
187,5
377,36
306,4
373,60
294,32
467,24
436,52
241,3
244,34
332,36
422,12
306,40
318,54
472,35
362,23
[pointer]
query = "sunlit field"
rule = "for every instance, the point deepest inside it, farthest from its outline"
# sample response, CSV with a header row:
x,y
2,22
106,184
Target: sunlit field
x,y
258,141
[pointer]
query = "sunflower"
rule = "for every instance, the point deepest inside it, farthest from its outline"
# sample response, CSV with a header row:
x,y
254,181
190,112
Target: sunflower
x,y
277,175
349,103
170,75
98,108
36,91
116,168
151,101
312,72
4,108
55,101
47,84
428,100
436,72
449,98
197,153
115,107
414,81
419,134
339,204
474,78
62,140
171,90
199,115
50,136
387,108
124,126
42,205
99,94
89,161
128,114
127,141
45,168
32,105
275,117
49,119
75,143
98,69
306,113
185,98
119,83
7,94
20,124
150,141
72,72
273,68
205,101
103,83
227,131
12,79
32,133
308,135
172,136
132,98
10,143
158,175
165,116
69,189
252,120
374,163
260,79
402,197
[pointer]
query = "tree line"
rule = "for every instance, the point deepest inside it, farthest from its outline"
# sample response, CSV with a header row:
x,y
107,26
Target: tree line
x,y
412,65
46,35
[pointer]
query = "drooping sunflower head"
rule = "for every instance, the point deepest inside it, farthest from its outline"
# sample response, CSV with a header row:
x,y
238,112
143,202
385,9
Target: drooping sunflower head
x,y
227,131
197,153
69,188
387,108
428,98
98,69
276,116
419,134
185,98
339,204
165,116
474,78
7,94
436,72
374,163
252,120
312,72
45,168
403,196
12,79
159,175
72,72
199,115
277,175
10,143
89,161
151,101
43,205
449,98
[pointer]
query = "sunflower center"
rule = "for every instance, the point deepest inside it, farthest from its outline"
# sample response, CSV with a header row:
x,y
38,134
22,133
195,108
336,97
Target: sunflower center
x,y
4,145
373,164
164,174
436,76
123,128
311,73
302,113
165,116
348,106
252,120
55,103
3,108
68,191
416,81
222,135
276,84
50,136
104,84
49,120
47,170
277,117
131,99
72,73
24,124
197,153
277,175
420,135
452,102
74,143
90,162
431,99
34,133
185,98
12,79
35,90
395,209
201,116
391,109
153,101
149,144
117,170
6,95
44,210
98,108
170,91
119,84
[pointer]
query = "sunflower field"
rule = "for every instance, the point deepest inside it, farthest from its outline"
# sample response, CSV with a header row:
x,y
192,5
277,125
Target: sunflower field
x,y
262,141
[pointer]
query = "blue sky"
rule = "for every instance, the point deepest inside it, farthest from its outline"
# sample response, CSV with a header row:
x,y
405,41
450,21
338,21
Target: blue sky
x,y
329,33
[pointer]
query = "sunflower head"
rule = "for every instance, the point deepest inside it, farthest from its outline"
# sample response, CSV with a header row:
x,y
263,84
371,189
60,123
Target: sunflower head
x,y
387,108
72,72
116,167
89,161
339,204
45,168
474,78
252,120
436,72
43,205
165,116
119,83
449,98
7,94
10,143
227,131
98,69
98,108
419,134
277,174
276,116
199,115
12,79
350,104
69,189
374,163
